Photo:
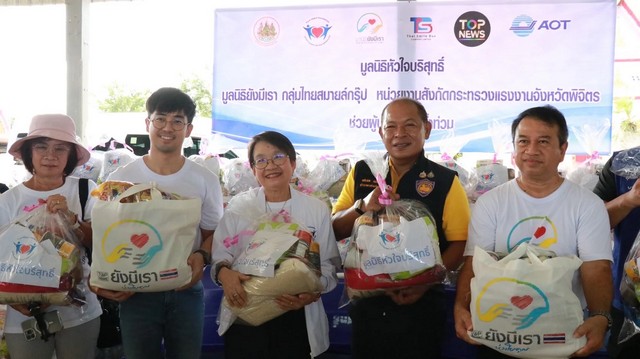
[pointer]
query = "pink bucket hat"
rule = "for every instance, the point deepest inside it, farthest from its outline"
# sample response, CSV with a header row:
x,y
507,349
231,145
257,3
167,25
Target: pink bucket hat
x,y
58,127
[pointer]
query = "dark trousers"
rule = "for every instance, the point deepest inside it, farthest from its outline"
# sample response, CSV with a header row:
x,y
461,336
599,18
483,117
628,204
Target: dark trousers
x,y
628,349
485,352
383,329
282,337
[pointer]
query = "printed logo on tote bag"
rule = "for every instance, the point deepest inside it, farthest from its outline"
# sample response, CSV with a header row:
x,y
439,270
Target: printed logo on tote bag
x,y
137,243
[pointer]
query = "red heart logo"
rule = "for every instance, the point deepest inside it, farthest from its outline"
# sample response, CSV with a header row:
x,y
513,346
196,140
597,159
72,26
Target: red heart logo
x,y
521,301
317,31
372,21
540,232
139,240
24,249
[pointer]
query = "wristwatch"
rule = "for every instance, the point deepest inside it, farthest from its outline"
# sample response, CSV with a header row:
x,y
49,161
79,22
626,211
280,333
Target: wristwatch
x,y
604,314
217,269
205,255
358,206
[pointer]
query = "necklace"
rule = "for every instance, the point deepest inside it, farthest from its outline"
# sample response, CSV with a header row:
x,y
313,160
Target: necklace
x,y
268,208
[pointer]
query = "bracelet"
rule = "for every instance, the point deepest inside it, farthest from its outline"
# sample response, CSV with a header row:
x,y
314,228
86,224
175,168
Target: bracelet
x,y
219,266
205,255
358,207
604,314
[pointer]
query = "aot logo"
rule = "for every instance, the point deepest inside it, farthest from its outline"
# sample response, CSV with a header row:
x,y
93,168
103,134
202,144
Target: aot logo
x,y
524,25
472,29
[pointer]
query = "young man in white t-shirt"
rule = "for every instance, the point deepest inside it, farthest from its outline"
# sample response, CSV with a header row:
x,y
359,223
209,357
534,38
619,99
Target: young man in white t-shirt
x,y
172,319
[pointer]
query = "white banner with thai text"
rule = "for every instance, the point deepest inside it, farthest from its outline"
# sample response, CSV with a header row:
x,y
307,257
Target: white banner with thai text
x,y
322,74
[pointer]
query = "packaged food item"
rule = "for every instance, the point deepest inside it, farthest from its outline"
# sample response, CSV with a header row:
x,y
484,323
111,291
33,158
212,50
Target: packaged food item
x,y
40,260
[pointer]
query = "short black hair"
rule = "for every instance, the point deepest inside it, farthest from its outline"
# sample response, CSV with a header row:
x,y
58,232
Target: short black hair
x,y
170,99
27,156
275,139
422,112
547,114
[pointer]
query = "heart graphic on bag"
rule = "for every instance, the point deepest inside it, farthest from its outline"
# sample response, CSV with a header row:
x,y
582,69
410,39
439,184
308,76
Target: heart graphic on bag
x,y
540,232
139,240
521,301
25,248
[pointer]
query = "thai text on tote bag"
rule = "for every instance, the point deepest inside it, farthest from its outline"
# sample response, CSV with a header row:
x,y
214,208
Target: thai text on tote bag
x,y
143,246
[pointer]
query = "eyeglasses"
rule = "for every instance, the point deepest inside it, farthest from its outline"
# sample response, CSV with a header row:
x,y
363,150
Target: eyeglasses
x,y
409,127
161,122
278,160
43,149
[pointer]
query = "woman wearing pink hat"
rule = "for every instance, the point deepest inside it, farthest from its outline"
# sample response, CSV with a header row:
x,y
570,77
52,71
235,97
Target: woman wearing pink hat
x,y
50,152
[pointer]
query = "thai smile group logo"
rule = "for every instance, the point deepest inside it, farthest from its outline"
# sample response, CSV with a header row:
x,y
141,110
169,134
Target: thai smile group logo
x,y
422,28
317,31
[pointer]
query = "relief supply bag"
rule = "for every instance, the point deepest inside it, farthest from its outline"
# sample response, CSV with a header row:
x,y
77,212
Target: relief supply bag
x,y
282,258
395,248
630,292
522,305
40,260
142,245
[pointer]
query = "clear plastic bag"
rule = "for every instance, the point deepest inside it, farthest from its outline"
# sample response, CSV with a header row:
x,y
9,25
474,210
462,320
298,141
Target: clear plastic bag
x,y
40,260
110,190
630,291
486,178
90,169
237,177
627,163
325,174
394,248
114,159
282,259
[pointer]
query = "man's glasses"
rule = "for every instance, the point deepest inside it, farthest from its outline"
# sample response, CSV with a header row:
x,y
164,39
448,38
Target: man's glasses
x,y
161,122
57,150
278,160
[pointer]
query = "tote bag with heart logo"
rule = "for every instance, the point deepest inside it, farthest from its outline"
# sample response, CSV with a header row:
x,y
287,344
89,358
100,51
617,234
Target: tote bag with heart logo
x,y
523,306
143,246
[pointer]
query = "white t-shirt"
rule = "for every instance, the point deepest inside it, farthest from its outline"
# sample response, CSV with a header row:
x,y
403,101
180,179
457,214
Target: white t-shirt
x,y
241,214
20,200
191,181
569,221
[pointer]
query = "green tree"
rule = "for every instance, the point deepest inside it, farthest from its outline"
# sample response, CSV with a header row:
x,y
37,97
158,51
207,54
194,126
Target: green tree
x,y
625,105
627,134
121,100
199,92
